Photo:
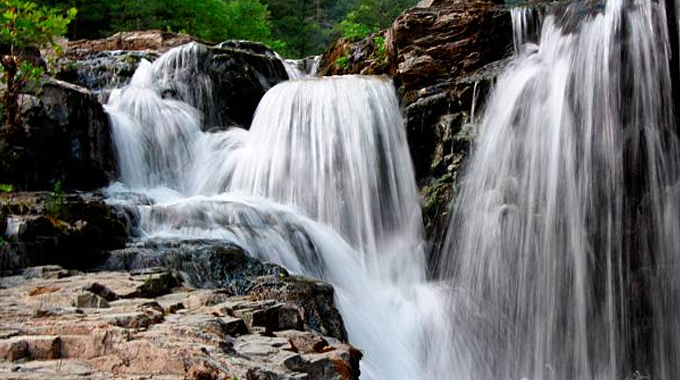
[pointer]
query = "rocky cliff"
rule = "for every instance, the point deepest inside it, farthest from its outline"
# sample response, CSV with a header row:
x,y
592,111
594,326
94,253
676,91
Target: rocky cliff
x,y
443,56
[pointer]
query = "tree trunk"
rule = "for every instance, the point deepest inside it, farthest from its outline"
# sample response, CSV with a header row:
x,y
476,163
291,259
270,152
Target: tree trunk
x,y
10,97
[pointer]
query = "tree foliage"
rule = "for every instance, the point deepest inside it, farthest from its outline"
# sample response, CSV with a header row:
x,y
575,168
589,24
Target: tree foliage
x,y
210,20
26,27
295,28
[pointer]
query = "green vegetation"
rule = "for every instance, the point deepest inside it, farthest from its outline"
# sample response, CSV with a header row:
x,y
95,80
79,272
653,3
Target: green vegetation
x,y
381,47
25,27
55,205
308,26
6,188
295,28
343,62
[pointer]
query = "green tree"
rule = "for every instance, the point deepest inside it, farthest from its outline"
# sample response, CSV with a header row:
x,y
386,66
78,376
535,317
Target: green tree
x,y
25,27
210,20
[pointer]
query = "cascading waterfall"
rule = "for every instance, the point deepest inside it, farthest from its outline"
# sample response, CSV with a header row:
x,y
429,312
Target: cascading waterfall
x,y
568,214
322,184
561,257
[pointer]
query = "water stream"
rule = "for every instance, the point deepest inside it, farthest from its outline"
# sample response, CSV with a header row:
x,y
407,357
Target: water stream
x,y
568,213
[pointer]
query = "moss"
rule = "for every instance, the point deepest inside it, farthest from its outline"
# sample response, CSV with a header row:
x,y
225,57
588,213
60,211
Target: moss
x,y
343,63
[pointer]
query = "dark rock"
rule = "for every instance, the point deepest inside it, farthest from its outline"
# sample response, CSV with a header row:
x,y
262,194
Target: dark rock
x,y
155,285
66,137
87,300
203,263
74,231
314,300
102,291
240,79
443,55
101,71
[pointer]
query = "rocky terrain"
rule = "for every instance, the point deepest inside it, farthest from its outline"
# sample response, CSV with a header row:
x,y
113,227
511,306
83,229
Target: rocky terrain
x,y
64,324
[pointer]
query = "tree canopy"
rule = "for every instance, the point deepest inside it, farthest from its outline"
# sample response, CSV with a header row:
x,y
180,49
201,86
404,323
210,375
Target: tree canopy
x,y
295,28
25,27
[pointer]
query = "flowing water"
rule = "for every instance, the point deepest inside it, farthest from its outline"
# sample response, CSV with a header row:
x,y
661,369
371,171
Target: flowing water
x,y
322,183
568,213
566,221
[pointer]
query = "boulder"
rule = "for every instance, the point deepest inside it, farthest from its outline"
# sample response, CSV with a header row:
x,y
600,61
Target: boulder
x,y
65,136
300,302
240,72
75,231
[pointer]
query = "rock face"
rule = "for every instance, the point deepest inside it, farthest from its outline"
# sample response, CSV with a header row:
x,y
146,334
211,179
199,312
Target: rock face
x,y
66,137
103,326
152,40
442,55
44,228
228,268
240,72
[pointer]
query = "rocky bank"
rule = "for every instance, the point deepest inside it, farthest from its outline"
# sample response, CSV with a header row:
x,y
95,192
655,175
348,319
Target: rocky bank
x,y
64,324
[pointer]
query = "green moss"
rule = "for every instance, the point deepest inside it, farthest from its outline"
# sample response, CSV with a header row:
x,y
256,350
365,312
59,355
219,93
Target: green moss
x,y
55,205
343,62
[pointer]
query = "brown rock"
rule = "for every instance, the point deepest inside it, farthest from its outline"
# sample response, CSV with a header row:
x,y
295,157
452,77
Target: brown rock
x,y
89,300
307,343
154,40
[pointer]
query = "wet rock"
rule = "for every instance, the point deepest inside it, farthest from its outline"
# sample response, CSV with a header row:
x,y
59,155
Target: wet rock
x,y
240,71
202,263
73,231
101,71
313,299
65,136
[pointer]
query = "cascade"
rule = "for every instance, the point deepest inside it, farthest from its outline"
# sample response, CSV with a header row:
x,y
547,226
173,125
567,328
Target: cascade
x,y
563,245
560,260
322,184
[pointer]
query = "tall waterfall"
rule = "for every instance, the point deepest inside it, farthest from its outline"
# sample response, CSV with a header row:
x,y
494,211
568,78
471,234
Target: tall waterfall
x,y
568,215
322,184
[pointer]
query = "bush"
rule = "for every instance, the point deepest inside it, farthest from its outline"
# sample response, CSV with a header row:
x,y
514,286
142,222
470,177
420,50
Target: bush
x,y
25,27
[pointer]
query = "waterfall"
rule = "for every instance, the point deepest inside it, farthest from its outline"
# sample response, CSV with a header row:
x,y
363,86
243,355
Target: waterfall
x,y
567,218
322,184
560,261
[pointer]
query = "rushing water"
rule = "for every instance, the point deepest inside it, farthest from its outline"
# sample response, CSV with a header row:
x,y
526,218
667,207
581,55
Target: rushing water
x,y
322,183
561,257
568,214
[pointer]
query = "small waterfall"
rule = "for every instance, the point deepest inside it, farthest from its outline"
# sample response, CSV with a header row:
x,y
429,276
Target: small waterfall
x,y
563,245
322,184
335,148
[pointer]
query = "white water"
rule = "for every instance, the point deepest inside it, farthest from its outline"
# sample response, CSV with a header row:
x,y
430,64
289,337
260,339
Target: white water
x,y
322,184
568,214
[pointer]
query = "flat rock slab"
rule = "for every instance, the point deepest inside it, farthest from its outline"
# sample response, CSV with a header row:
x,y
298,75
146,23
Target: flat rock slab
x,y
109,325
